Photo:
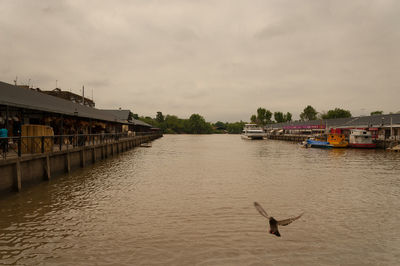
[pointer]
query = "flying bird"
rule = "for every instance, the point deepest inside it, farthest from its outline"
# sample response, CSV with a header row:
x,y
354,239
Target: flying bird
x,y
273,224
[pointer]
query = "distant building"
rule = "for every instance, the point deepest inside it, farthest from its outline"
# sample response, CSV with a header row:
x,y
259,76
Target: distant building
x,y
67,95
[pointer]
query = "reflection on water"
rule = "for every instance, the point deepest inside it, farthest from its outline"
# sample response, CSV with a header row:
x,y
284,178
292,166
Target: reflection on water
x,y
189,200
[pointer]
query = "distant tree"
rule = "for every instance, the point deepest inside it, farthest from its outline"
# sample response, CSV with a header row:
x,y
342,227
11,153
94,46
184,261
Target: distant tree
x,y
197,125
160,117
288,117
279,117
235,128
253,119
130,116
149,120
309,113
336,113
220,125
377,113
263,117
174,125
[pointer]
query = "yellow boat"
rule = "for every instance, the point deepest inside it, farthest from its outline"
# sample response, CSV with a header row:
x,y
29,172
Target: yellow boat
x,y
337,140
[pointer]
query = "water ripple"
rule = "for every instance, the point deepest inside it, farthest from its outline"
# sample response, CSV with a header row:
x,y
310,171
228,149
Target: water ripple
x,y
188,200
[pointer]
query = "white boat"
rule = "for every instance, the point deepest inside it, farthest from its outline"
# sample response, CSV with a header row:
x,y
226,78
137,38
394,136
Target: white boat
x,y
253,131
361,139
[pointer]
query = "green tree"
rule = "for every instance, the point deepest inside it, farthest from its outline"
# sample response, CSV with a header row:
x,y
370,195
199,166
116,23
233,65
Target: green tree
x,y
235,128
263,117
377,113
149,121
336,113
174,125
130,116
220,125
288,117
253,119
197,125
279,117
309,113
160,117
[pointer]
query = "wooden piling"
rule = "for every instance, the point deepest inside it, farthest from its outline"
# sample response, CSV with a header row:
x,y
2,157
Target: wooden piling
x,y
93,155
68,162
83,157
17,179
47,168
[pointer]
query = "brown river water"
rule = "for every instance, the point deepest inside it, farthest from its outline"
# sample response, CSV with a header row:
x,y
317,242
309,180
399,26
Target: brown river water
x,y
188,200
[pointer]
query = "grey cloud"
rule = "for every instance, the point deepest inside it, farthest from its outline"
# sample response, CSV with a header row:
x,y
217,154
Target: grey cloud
x,y
222,59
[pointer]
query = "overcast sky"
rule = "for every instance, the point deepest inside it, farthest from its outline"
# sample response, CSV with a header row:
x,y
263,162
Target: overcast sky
x,y
221,59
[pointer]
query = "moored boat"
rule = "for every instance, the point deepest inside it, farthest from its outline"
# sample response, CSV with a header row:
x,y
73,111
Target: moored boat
x,y
360,138
253,131
337,140
312,143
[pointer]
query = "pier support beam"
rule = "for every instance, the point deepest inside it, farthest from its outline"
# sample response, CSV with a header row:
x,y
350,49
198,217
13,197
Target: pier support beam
x,y
17,179
47,168
83,157
68,162
93,155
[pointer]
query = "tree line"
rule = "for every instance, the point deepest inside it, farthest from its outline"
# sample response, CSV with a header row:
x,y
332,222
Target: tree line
x,y
196,124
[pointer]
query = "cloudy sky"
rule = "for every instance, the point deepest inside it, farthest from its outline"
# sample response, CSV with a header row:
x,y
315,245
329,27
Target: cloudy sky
x,y
222,59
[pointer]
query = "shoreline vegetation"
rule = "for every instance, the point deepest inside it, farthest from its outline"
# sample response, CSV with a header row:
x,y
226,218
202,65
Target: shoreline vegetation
x,y
196,124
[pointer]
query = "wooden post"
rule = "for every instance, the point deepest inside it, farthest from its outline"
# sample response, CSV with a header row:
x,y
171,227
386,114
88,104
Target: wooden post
x,y
83,157
17,180
68,163
47,168
94,155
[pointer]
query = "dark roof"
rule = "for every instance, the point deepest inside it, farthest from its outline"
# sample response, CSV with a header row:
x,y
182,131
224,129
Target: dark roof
x,y
26,98
122,115
360,121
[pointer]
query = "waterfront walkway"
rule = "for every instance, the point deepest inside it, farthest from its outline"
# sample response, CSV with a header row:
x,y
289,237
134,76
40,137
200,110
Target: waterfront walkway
x,y
32,159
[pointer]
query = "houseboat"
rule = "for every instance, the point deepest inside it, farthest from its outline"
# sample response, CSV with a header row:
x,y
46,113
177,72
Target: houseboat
x,y
253,131
360,138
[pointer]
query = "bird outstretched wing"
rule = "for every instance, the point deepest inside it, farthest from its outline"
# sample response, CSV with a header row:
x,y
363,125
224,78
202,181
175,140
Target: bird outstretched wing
x,y
290,220
261,210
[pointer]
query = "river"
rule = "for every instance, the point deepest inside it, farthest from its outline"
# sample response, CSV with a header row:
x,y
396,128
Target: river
x,y
188,200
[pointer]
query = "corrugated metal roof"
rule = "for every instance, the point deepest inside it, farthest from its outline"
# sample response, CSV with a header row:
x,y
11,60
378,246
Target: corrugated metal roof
x,y
25,98
360,121
122,115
